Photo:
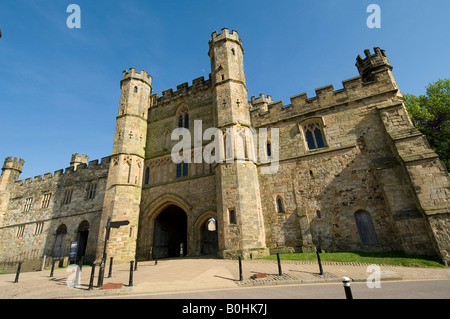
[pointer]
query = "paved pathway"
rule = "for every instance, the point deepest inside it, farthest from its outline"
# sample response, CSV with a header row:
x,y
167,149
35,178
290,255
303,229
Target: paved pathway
x,y
190,274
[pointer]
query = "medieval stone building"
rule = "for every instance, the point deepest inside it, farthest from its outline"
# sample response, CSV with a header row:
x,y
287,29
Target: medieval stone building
x,y
345,170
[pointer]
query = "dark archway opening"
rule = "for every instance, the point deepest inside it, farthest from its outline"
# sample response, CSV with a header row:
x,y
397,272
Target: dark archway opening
x,y
83,233
210,242
170,233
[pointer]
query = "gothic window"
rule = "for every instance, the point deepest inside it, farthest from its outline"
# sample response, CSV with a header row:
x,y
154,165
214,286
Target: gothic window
x,y
90,190
135,89
46,200
183,116
365,228
269,150
314,133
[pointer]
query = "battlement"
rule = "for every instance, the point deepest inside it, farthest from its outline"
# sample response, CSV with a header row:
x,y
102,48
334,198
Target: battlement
x,y
87,168
132,74
13,163
372,81
198,84
371,63
225,34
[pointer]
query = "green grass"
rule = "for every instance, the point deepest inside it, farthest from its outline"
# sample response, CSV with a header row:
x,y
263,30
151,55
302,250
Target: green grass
x,y
380,258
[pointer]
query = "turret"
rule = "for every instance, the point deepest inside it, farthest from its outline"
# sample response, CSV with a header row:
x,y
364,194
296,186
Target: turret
x,y
78,159
12,167
123,189
238,197
228,78
372,63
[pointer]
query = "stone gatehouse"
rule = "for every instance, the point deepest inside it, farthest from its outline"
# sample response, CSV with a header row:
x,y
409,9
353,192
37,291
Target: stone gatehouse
x,y
351,173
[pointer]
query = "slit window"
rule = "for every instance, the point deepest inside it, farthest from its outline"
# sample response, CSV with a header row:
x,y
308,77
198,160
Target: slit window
x,y
232,214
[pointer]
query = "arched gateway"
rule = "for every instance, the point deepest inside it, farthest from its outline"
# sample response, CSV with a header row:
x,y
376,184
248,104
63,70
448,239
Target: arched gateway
x,y
169,224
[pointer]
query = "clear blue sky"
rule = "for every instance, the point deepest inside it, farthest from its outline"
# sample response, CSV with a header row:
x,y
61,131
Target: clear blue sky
x,y
59,87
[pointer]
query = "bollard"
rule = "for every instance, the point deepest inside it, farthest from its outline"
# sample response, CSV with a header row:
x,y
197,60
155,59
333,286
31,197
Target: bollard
x,y
318,259
43,262
18,272
53,268
91,280
279,264
240,269
110,267
135,263
156,260
101,273
131,274
348,291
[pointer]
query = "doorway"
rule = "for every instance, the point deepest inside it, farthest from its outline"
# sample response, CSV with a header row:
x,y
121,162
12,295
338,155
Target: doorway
x,y
170,233
82,239
210,242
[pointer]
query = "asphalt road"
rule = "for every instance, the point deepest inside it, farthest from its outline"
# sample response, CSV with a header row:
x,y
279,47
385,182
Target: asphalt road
x,y
430,289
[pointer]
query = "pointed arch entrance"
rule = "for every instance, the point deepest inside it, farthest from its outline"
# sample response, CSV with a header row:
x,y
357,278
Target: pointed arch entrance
x,y
163,226
170,232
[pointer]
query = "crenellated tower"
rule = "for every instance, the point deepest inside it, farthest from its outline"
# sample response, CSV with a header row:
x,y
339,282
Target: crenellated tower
x,y
241,224
12,167
124,185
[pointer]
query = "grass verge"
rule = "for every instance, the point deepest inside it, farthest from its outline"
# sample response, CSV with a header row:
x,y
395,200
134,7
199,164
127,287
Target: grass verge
x,y
380,258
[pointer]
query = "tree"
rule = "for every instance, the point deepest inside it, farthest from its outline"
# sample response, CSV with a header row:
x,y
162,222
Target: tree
x,y
430,114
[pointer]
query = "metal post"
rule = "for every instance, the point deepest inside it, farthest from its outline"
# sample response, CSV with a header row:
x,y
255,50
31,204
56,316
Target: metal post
x,y
131,274
18,272
43,262
348,291
53,267
156,260
101,272
279,264
318,259
240,269
110,267
135,262
91,280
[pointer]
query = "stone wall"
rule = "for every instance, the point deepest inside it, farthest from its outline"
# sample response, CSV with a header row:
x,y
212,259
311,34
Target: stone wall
x,y
36,228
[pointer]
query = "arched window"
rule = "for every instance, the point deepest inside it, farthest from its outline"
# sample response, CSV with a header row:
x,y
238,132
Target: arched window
x,y
135,89
269,150
183,116
365,228
313,132
280,207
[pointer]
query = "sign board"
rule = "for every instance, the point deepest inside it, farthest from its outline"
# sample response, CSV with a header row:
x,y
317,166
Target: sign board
x,y
119,223
73,251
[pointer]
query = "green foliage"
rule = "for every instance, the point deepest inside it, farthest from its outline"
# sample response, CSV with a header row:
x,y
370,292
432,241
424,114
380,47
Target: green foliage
x,y
430,114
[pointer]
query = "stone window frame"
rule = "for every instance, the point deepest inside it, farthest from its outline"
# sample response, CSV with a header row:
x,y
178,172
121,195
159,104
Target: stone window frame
x,y
91,189
313,123
279,205
67,196
46,197
39,227
182,170
28,203
20,231
232,217
182,116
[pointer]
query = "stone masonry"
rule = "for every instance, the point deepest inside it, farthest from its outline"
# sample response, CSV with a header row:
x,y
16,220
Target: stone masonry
x,y
343,170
